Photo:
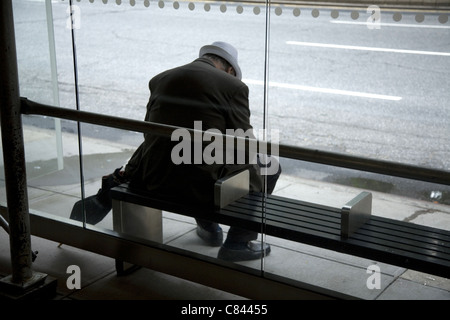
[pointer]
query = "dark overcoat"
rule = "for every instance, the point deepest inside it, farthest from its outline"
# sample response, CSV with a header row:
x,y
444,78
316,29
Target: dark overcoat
x,y
197,91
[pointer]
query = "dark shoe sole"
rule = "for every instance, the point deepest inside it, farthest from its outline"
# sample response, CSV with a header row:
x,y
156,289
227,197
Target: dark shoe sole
x,y
252,251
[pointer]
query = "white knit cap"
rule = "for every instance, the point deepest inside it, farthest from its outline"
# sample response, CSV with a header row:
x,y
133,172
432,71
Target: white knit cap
x,y
225,51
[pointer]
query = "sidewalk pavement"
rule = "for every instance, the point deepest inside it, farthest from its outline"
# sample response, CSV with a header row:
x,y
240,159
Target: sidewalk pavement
x,y
55,192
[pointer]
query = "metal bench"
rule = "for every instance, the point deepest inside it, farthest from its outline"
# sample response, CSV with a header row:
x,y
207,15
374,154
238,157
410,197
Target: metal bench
x,y
351,229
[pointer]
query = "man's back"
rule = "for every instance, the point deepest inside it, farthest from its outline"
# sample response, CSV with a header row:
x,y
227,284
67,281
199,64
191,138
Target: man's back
x,y
194,92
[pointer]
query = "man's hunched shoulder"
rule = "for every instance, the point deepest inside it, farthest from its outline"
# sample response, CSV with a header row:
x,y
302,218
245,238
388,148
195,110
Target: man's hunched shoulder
x,y
204,63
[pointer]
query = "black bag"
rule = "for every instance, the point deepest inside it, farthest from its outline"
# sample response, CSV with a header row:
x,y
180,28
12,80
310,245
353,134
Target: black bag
x,y
99,205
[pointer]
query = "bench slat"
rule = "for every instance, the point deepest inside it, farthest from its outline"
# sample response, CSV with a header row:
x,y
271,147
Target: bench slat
x,y
286,202
328,214
394,230
289,216
408,227
279,228
371,234
409,245
421,241
402,258
288,213
305,223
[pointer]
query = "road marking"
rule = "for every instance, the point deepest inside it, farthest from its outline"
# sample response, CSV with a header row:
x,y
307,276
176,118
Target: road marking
x,y
401,25
347,47
324,90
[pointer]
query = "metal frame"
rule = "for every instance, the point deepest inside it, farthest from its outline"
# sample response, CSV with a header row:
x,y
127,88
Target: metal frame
x,y
247,282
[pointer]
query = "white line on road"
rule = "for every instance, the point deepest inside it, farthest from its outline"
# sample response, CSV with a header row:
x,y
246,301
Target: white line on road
x,y
339,46
324,90
401,25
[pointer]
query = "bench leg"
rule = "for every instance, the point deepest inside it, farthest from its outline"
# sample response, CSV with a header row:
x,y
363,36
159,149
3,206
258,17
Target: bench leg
x,y
138,221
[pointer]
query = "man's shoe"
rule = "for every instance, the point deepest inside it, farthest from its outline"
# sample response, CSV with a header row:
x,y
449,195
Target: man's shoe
x,y
214,238
245,251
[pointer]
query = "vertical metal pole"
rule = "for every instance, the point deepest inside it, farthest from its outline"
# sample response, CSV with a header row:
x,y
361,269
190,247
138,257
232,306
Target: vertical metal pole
x,y
14,150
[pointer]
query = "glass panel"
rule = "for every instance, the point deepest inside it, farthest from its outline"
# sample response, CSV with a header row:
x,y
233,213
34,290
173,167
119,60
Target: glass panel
x,y
120,46
342,83
36,45
368,82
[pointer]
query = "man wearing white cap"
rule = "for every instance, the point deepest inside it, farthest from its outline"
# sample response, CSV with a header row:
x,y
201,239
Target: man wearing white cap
x,y
209,90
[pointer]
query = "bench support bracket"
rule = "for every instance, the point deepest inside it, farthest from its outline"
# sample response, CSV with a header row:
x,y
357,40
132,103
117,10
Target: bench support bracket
x,y
355,213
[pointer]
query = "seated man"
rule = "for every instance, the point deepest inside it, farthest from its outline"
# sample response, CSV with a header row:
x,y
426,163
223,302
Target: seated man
x,y
208,90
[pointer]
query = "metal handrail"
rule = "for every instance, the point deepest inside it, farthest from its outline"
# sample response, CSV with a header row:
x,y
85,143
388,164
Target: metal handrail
x,y
285,151
4,224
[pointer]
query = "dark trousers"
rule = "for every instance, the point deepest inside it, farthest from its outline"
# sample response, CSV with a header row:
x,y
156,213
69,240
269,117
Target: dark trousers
x,y
238,234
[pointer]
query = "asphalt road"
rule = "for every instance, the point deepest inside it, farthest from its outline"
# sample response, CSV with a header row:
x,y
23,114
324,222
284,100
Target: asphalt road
x,y
335,82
